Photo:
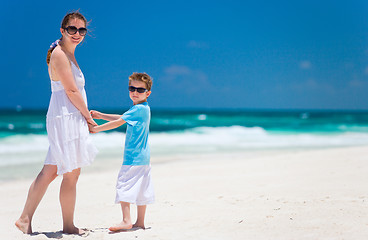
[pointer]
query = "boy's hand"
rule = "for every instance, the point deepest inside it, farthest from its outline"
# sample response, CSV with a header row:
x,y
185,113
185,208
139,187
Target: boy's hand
x,y
95,114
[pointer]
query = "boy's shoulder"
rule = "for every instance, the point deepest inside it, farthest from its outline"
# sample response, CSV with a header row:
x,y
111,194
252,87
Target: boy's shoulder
x,y
138,110
142,106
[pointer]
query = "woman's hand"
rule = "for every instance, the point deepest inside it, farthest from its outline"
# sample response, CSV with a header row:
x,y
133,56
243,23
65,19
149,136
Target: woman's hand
x,y
92,128
91,125
92,122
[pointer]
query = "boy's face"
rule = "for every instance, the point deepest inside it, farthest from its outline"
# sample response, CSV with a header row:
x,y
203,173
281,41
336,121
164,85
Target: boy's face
x,y
135,95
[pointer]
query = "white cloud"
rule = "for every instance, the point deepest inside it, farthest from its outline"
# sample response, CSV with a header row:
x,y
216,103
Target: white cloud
x,y
305,65
197,44
183,77
30,73
310,85
177,70
357,83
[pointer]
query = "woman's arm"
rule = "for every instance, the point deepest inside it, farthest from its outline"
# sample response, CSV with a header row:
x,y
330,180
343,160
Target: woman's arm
x,y
108,126
105,116
62,69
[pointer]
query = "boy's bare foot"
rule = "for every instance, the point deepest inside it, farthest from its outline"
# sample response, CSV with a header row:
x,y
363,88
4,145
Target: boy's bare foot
x,y
121,226
75,230
24,225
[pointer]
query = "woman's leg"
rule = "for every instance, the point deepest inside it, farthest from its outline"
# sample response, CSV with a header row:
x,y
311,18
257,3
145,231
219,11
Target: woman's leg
x,y
127,221
36,192
68,191
141,212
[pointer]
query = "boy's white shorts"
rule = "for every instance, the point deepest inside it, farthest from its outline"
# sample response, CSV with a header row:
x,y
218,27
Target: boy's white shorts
x,y
134,185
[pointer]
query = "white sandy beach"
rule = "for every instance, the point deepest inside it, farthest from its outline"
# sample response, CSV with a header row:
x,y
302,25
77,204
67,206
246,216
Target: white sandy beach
x,y
288,194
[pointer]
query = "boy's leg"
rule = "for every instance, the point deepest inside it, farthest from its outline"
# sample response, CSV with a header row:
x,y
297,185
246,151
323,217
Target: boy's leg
x,y
141,212
127,221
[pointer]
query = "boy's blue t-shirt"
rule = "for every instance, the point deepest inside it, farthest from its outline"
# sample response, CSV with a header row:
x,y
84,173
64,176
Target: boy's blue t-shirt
x,y
137,151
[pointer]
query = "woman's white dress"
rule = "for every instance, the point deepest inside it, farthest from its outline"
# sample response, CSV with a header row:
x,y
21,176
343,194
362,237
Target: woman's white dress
x,y
67,129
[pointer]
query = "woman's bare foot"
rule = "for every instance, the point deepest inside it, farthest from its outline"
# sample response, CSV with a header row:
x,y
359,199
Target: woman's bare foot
x,y
24,225
75,230
121,226
137,225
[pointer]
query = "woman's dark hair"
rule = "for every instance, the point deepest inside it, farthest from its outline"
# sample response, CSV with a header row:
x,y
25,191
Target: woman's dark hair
x,y
64,23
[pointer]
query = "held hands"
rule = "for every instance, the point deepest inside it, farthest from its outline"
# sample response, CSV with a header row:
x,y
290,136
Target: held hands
x,y
93,128
95,114
114,121
92,124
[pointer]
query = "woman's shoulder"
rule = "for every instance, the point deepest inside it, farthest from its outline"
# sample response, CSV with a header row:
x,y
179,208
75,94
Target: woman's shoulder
x,y
59,56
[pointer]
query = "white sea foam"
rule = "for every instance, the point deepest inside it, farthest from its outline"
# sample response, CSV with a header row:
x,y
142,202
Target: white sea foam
x,y
32,148
237,137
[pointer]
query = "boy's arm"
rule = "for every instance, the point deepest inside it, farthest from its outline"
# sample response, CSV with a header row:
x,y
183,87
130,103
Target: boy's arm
x,y
108,126
105,116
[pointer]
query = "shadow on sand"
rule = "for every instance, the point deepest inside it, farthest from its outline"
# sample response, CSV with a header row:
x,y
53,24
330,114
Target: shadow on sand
x,y
130,230
59,234
55,235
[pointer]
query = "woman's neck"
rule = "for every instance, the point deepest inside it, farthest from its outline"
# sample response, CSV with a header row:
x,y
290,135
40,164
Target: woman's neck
x,y
68,49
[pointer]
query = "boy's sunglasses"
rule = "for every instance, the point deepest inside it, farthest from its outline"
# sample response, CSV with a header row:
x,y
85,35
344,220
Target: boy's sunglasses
x,y
140,90
73,30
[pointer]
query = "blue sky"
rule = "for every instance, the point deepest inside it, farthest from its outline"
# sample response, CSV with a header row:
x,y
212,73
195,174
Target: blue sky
x,y
201,54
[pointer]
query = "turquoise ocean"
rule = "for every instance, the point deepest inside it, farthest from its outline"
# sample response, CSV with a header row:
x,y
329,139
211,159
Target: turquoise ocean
x,y
24,144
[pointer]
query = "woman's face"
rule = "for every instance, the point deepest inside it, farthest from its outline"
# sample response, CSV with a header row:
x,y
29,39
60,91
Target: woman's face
x,y
75,38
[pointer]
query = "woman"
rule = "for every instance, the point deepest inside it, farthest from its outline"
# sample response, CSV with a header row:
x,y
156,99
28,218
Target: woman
x,y
68,121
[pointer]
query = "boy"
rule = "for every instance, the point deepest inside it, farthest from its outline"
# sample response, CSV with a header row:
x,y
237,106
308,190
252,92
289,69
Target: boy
x,y
134,180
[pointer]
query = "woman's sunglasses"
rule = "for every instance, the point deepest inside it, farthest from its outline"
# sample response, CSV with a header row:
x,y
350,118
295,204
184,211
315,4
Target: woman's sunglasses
x,y
73,30
140,90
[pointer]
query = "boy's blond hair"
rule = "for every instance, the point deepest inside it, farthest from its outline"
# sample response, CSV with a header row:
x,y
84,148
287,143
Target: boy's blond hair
x,y
142,77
